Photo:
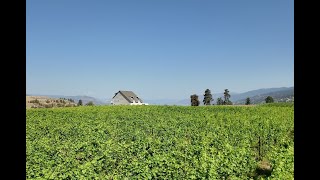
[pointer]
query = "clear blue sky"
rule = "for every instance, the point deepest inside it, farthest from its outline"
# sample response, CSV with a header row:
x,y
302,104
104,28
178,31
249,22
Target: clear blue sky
x,y
158,48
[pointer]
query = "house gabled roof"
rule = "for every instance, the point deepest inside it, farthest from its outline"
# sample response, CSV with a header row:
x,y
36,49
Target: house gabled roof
x,y
129,96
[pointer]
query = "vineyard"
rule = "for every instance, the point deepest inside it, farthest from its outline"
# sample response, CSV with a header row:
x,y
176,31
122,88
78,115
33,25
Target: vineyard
x,y
160,142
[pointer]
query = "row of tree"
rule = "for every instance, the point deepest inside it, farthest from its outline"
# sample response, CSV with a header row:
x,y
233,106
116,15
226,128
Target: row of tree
x,y
90,103
208,99
69,99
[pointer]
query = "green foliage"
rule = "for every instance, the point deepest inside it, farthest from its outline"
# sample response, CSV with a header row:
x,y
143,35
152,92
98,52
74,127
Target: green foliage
x,y
159,142
220,101
90,103
207,97
79,103
279,104
194,100
227,97
36,101
248,101
269,99
227,102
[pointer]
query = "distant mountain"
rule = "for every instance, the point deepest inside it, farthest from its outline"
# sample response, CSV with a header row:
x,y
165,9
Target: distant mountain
x,y
256,96
258,92
238,98
47,102
85,99
283,95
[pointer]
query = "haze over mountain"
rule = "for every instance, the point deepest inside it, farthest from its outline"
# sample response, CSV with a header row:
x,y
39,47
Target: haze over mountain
x,y
256,96
258,92
282,95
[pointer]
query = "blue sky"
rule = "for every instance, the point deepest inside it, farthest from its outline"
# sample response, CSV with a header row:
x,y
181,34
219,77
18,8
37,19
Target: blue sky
x,y
158,49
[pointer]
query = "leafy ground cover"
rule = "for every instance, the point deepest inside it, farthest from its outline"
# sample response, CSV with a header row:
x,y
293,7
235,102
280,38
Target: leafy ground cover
x,y
161,142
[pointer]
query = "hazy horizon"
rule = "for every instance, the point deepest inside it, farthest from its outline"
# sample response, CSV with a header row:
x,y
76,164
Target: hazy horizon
x,y
160,49
177,99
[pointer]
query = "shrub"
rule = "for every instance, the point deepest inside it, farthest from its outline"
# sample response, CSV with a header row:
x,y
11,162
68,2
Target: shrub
x,y
35,101
269,99
90,103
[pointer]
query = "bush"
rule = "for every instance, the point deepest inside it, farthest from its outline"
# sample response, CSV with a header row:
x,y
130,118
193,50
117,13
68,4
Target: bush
x,y
269,99
90,103
35,101
227,103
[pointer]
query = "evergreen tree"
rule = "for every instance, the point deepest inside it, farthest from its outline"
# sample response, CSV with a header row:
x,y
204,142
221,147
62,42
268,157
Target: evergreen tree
x,y
80,102
227,97
219,101
207,97
248,101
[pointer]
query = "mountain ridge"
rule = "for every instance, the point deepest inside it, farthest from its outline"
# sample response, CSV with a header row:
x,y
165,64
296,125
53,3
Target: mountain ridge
x,y
256,96
85,99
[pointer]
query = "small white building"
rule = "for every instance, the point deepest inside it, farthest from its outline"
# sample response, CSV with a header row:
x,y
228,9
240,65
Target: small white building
x,y
126,98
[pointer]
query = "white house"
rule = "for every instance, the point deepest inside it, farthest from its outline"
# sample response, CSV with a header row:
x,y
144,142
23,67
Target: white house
x,y
126,98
